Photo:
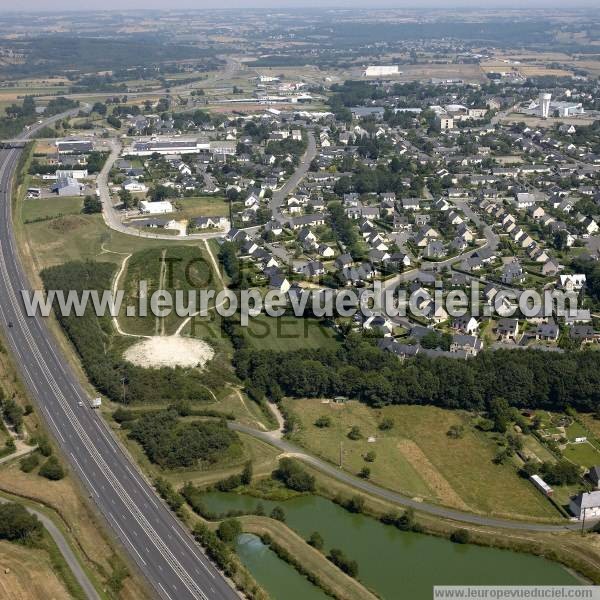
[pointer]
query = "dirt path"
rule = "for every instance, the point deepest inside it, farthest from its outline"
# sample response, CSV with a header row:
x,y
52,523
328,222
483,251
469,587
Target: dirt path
x,y
159,324
115,287
278,433
434,479
241,397
215,264
218,272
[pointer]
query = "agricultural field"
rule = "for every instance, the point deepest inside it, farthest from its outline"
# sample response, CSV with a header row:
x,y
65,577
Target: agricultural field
x,y
418,458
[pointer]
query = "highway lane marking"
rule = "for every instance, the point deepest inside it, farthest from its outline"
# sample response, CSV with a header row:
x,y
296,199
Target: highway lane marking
x,y
128,540
53,423
103,467
83,473
165,592
94,453
190,548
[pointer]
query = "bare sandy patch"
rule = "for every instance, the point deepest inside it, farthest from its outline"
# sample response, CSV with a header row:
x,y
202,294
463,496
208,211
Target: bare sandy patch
x,y
169,351
435,480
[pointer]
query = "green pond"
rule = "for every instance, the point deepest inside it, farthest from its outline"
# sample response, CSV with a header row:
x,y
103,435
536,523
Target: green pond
x,y
393,563
276,576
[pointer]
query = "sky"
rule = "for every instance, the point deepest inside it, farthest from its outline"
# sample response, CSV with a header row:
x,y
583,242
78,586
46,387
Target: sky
x,y
58,5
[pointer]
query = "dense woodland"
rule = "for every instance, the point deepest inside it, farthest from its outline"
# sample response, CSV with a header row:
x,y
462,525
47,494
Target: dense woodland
x,y
358,369
171,443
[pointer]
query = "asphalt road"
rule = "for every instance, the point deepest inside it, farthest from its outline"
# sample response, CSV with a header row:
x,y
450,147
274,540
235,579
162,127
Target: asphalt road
x,y
112,216
62,544
291,184
375,490
164,551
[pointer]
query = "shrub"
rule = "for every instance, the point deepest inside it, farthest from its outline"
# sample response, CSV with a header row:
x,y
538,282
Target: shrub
x,y
168,493
370,456
277,513
293,475
386,424
16,524
340,560
316,540
29,463
246,476
52,469
460,536
229,530
354,433
323,421
365,473
43,445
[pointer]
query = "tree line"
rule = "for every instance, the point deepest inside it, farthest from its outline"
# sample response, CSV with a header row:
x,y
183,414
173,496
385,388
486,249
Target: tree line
x,y
359,369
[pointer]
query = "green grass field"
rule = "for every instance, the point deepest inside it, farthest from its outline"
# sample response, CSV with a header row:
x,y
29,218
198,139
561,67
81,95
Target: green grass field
x,y
417,457
576,430
288,333
38,209
203,206
83,237
182,268
582,454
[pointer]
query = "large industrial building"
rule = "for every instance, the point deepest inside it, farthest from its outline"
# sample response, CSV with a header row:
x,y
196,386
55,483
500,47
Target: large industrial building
x,y
545,107
73,146
381,70
169,146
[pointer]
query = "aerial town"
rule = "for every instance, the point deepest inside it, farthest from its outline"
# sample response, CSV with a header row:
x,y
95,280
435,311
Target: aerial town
x,y
208,453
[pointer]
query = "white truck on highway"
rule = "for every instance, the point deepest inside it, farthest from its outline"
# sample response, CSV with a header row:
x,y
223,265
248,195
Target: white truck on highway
x,y
96,402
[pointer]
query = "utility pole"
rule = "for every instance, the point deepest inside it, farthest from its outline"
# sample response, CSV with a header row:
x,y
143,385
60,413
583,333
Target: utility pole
x,y
341,454
583,522
123,379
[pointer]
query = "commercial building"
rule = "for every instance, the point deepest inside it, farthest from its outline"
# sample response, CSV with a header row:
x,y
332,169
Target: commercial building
x,y
381,70
67,186
167,147
71,173
155,208
73,146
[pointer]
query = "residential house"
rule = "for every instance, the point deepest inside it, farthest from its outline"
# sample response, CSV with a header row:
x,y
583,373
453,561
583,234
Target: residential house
x,y
508,329
547,331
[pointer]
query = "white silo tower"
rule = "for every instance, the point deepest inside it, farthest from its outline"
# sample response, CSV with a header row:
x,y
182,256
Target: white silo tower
x,y
545,105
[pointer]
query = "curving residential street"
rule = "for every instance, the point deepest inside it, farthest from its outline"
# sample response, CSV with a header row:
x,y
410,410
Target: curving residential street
x,y
297,176
113,218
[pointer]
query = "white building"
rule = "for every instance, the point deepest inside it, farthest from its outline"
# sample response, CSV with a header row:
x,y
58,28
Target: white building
x,y
571,282
586,505
381,70
72,174
545,105
444,122
132,185
155,208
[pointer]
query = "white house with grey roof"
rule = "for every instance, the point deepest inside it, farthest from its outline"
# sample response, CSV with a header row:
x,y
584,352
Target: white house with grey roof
x,y
586,505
